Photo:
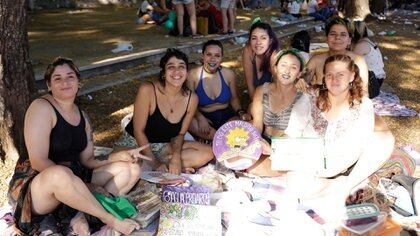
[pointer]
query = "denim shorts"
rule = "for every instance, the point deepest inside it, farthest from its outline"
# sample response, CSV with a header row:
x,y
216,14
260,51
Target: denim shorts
x,y
185,2
226,4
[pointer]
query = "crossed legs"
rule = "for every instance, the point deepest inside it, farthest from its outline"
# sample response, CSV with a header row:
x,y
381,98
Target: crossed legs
x,y
57,184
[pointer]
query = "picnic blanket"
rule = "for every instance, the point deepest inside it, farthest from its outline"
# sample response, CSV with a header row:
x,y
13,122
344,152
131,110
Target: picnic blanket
x,y
256,199
388,104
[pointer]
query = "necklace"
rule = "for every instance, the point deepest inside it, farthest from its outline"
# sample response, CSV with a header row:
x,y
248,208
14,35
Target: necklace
x,y
171,106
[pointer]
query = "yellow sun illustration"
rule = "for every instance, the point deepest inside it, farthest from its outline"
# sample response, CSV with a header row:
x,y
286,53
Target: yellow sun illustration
x,y
237,138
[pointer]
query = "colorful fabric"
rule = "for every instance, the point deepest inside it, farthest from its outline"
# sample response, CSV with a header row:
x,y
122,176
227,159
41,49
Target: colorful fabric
x,y
399,163
20,196
388,104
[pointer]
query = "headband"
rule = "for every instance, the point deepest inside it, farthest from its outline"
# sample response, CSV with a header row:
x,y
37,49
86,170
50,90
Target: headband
x,y
256,20
294,52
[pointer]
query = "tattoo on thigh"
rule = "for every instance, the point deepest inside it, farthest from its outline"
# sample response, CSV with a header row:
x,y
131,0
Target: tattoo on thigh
x,y
101,157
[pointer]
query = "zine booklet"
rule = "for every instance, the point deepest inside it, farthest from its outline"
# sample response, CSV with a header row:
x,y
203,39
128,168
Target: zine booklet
x,y
185,220
187,211
195,195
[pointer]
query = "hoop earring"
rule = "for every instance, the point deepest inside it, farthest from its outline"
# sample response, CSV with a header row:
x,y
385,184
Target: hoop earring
x,y
351,84
324,86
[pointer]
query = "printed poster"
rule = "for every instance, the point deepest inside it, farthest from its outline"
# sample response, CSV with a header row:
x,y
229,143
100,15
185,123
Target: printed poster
x,y
186,220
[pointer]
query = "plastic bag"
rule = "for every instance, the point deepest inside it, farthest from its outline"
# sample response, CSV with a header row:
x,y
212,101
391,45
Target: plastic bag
x,y
119,207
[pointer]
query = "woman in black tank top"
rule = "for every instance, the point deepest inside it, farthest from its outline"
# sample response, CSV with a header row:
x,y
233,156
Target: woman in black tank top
x,y
60,164
163,111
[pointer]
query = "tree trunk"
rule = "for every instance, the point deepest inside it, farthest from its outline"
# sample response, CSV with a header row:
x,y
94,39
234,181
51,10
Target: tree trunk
x,y
378,6
16,77
355,9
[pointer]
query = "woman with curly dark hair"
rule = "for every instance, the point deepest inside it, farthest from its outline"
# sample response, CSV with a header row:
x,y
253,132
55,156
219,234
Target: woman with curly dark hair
x,y
339,114
163,111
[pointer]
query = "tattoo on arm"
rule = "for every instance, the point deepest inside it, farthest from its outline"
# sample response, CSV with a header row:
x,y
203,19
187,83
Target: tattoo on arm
x,y
101,157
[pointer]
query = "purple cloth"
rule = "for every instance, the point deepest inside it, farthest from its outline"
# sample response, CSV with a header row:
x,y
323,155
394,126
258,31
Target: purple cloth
x,y
388,104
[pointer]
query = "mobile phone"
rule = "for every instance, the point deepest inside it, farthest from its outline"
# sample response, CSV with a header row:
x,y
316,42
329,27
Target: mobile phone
x,y
315,216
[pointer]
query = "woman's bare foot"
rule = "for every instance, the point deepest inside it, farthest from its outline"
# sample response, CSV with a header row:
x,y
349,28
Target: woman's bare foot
x,y
79,225
124,226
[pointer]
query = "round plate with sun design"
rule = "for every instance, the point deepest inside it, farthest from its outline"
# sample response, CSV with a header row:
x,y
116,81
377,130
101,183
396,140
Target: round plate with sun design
x,y
236,145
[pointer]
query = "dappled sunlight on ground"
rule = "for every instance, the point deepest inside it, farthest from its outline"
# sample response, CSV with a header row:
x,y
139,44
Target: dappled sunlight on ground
x,y
389,46
77,33
230,64
97,31
124,111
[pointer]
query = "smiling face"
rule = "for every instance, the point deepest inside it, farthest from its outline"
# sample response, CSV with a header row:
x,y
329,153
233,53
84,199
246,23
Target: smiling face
x,y
338,39
287,69
260,41
338,77
64,82
212,58
175,72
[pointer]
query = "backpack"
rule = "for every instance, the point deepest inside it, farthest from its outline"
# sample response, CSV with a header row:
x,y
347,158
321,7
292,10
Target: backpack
x,y
403,192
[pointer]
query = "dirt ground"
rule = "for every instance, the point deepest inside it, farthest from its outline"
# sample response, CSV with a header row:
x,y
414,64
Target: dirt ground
x,y
89,35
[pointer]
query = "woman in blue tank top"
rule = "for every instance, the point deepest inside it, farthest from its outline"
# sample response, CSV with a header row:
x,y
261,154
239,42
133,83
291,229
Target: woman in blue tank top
x,y
54,176
215,87
163,111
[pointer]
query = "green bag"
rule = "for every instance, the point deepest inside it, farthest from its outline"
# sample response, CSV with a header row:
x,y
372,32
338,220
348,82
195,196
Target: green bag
x,y
119,207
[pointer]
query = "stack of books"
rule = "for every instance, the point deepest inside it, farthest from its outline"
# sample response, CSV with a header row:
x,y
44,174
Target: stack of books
x,y
148,206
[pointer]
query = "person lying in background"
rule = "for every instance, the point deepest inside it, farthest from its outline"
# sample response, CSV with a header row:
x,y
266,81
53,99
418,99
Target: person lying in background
x,y
319,10
151,12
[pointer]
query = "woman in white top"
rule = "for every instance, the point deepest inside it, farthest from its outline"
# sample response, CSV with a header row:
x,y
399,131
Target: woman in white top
x,y
363,46
338,113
